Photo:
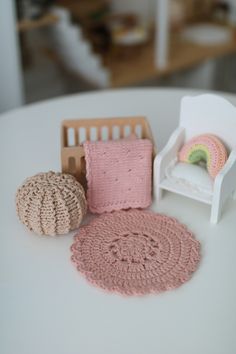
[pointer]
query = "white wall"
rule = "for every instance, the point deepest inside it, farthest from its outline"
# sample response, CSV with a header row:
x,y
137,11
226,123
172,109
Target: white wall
x,y
11,88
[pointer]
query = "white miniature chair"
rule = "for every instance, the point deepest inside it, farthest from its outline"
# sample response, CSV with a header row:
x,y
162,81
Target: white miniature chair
x,y
201,114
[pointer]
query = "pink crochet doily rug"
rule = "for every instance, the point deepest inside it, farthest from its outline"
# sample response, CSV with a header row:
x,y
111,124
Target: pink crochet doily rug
x,y
135,252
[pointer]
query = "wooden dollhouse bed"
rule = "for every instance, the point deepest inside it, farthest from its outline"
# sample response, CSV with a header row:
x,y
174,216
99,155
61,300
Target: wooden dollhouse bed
x,y
75,132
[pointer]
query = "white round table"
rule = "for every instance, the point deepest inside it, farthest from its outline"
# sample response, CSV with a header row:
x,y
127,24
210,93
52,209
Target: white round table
x,y
47,307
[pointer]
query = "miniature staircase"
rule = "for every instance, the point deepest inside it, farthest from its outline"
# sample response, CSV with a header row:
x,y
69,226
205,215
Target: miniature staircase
x,y
75,52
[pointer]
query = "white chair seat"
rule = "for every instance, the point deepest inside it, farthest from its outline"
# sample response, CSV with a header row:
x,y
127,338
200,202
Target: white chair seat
x,y
194,177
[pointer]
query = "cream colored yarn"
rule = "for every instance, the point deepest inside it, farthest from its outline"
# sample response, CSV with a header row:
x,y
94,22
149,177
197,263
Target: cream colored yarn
x,y
51,203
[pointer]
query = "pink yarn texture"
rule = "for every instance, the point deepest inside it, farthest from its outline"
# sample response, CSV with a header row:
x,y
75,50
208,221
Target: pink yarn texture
x,y
135,252
212,149
119,174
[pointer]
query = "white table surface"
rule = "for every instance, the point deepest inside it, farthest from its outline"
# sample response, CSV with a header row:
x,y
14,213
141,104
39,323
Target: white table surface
x,y
46,307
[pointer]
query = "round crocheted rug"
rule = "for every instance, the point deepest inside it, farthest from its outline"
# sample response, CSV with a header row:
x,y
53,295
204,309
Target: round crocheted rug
x,y
135,252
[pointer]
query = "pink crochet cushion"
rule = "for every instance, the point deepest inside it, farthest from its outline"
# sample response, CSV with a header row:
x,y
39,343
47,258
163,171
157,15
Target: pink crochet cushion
x,y
135,252
205,147
119,174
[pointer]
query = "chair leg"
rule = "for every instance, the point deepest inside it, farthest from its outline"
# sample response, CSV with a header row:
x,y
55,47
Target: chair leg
x,y
158,194
216,211
234,195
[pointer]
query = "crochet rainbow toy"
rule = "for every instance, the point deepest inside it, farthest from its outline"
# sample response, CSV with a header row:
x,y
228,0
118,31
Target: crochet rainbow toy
x,y
207,148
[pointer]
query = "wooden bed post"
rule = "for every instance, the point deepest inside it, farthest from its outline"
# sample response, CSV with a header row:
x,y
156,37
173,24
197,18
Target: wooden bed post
x,y
162,34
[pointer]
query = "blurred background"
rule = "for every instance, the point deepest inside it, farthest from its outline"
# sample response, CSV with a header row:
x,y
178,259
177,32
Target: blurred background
x,y
54,47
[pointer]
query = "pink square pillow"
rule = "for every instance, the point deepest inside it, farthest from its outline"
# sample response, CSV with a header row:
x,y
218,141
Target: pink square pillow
x,y
119,174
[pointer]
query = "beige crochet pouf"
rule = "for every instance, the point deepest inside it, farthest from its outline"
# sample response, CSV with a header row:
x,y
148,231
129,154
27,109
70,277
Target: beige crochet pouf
x,y
51,203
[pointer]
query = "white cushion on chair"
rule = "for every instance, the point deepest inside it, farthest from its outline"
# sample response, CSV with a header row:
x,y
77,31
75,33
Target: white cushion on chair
x,y
192,176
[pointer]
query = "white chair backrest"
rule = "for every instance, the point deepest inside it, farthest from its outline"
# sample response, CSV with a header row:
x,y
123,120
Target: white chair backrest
x,y
209,113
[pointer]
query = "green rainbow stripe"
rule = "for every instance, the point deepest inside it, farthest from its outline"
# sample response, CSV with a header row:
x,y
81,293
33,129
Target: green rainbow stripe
x,y
197,153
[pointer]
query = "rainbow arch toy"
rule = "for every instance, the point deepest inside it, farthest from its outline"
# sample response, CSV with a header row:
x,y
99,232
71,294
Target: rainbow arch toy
x,y
207,148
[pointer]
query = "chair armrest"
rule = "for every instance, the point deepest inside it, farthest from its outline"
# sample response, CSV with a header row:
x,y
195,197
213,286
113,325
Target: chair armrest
x,y
225,181
170,151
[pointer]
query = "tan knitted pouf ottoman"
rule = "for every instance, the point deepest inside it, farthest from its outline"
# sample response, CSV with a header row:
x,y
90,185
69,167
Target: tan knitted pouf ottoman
x,y
51,203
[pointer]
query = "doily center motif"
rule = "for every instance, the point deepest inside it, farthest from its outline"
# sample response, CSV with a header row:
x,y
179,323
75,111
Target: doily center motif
x,y
136,252
134,247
